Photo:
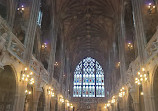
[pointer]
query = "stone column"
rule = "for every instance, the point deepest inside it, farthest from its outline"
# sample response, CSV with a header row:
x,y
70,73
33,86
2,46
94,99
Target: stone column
x,y
47,100
135,95
62,59
52,53
20,97
36,96
11,10
53,102
121,38
68,75
148,97
31,30
139,29
53,41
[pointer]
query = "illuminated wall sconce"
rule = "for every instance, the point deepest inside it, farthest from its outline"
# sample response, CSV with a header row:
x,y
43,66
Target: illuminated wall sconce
x,y
27,92
118,64
44,46
122,92
141,77
61,99
141,93
26,76
56,64
67,103
71,106
50,92
21,9
107,105
31,81
151,8
113,100
130,46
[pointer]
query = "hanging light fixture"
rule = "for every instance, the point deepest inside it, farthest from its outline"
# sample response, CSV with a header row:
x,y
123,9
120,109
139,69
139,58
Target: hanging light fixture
x,y
26,76
130,46
122,92
21,9
44,46
141,77
142,93
27,92
61,99
56,64
50,92
71,106
151,8
113,100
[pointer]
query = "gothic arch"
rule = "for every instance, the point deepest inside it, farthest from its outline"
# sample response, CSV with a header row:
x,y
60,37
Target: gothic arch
x,y
7,88
41,102
154,81
88,79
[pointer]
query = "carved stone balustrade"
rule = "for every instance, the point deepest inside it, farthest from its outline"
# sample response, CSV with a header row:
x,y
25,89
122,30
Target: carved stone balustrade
x,y
152,46
15,47
10,44
134,67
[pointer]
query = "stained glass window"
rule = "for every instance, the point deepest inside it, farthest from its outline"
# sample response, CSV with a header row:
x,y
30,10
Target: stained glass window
x,y
39,20
88,79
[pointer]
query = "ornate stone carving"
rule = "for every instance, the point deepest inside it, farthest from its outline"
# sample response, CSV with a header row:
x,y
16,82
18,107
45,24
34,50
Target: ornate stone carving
x,y
152,46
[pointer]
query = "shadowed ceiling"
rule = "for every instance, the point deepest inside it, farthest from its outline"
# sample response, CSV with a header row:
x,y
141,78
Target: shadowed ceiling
x,y
88,27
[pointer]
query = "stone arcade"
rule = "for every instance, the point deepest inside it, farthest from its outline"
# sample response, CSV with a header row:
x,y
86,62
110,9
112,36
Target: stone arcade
x,y
78,55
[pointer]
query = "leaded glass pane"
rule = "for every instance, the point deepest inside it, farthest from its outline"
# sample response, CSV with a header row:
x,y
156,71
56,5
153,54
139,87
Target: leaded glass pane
x,y
88,79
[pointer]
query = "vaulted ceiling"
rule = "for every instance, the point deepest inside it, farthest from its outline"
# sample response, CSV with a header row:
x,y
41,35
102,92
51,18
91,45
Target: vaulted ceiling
x,y
88,27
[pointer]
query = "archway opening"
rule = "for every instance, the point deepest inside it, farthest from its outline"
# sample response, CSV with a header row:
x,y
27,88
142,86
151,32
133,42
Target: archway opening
x,y
3,8
130,103
7,89
141,99
155,89
29,99
41,102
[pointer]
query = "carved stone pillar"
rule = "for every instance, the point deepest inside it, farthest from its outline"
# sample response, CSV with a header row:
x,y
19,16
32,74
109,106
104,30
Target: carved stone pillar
x,y
53,41
47,100
53,102
36,96
139,29
20,97
12,7
68,75
121,38
52,53
61,79
135,95
30,34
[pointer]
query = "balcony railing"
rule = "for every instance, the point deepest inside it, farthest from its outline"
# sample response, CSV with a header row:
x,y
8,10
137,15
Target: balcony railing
x,y
16,48
152,46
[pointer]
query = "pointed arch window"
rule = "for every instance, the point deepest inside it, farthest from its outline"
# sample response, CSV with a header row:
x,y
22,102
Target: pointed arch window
x,y
88,79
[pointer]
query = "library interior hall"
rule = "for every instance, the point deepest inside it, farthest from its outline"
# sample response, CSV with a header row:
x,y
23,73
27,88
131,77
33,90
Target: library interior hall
x,y
78,55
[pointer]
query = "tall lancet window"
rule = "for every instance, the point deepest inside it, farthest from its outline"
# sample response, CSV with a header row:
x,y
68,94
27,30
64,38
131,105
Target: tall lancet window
x,y
88,79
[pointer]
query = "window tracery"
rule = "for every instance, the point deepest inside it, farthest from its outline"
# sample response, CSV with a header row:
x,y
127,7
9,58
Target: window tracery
x,y
88,79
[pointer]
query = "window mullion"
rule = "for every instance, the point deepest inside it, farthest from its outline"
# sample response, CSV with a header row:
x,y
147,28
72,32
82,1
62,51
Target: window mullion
x,y
95,79
82,81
